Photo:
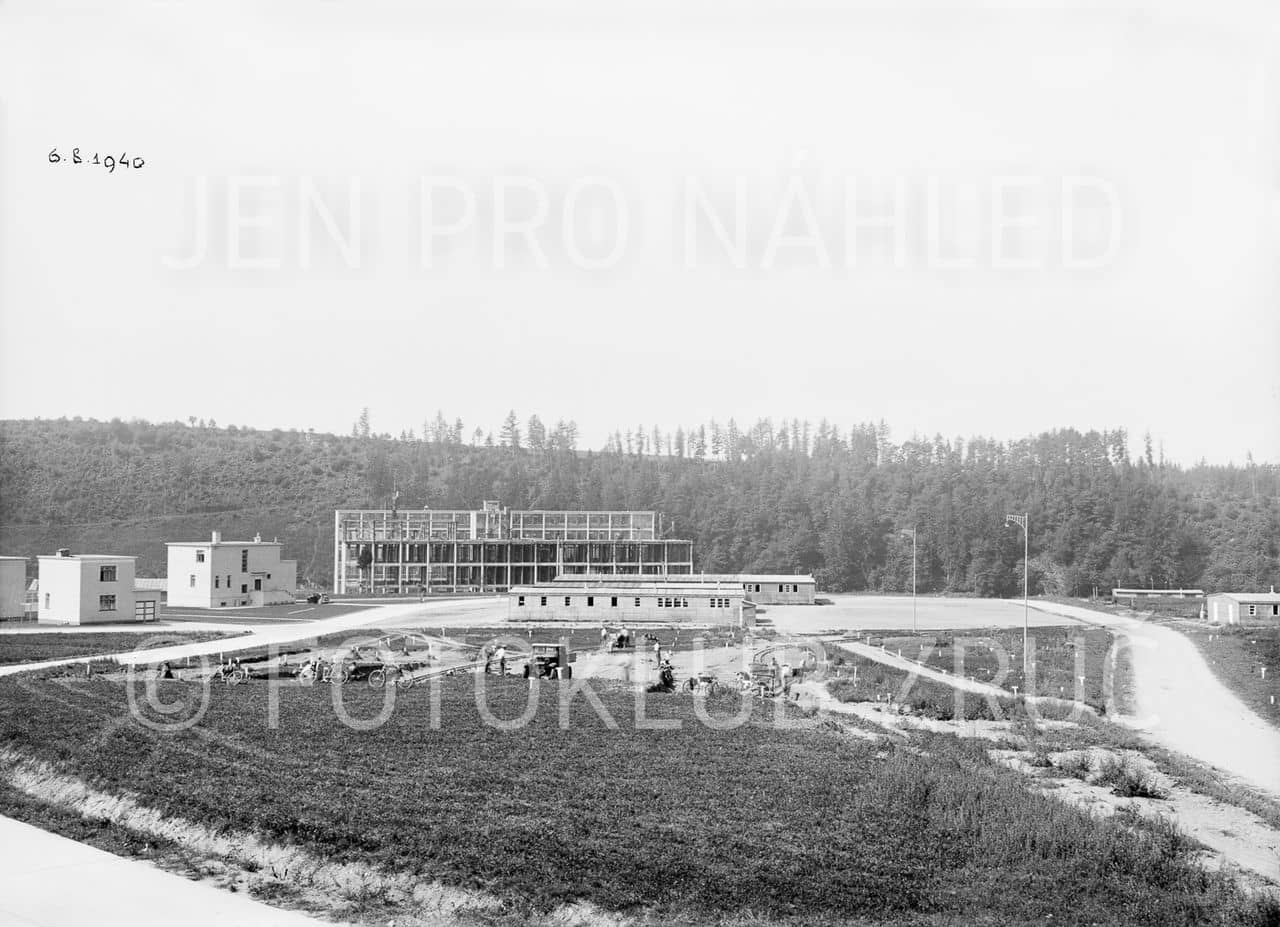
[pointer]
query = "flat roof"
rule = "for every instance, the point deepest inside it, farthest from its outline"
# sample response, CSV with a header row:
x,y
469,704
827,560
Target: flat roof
x,y
212,543
629,588
86,557
14,558
631,578
1246,597
1171,592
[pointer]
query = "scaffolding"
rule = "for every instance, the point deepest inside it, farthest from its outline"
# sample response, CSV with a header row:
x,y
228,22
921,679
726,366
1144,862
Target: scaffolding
x,y
391,552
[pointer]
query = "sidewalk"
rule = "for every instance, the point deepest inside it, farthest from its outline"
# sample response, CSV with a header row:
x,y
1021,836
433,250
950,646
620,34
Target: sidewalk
x,y
50,881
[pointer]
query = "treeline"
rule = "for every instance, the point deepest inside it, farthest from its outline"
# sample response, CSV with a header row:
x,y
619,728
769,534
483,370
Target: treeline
x,y
790,496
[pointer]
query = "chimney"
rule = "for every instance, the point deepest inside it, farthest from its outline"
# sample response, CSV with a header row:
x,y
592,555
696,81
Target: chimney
x,y
257,538
64,551
217,537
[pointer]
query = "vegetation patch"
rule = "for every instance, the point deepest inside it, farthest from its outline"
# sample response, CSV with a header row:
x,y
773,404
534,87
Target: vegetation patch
x,y
39,647
693,824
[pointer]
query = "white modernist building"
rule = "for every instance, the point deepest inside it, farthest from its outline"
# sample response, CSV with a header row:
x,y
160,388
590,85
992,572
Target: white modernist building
x,y
92,589
13,586
760,588
229,574
637,603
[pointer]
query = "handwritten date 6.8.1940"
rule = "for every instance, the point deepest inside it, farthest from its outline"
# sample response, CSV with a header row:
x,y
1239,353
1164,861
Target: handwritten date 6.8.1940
x,y
108,161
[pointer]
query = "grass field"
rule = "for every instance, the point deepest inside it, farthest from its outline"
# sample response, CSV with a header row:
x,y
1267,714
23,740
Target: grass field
x,y
35,648
1061,657
752,824
1238,657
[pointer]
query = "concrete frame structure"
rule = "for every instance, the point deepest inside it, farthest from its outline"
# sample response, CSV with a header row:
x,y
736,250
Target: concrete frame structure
x,y
92,589
672,602
1238,607
760,588
493,548
13,587
229,574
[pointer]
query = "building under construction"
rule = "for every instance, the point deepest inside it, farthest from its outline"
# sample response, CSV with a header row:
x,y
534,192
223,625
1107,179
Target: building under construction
x,y
392,552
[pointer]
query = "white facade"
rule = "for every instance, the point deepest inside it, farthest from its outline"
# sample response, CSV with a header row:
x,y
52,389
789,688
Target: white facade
x,y
760,588
637,604
87,589
229,574
1238,607
13,586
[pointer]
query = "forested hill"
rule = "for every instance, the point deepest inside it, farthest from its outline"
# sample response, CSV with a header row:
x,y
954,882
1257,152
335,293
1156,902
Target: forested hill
x,y
825,501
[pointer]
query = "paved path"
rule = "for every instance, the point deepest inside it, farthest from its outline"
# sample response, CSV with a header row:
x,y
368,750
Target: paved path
x,y
50,881
444,613
1182,705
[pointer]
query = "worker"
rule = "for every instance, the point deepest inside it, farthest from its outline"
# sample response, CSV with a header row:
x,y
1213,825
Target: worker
x,y
657,651
501,654
487,651
786,679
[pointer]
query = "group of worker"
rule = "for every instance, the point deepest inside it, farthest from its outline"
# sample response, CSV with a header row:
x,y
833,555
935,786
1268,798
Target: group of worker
x,y
623,639
495,655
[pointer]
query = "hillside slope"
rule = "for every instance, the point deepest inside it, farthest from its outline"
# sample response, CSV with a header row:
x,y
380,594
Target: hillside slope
x,y
834,503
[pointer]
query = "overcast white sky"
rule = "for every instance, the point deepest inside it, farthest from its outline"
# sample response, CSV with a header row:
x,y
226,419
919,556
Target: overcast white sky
x,y
1153,128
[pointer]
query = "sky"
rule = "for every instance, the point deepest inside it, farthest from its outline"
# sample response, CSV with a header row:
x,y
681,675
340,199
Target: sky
x,y
970,218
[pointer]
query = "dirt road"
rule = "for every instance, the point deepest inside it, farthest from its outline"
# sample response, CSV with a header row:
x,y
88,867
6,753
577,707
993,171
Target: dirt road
x,y
1182,705
447,612
51,881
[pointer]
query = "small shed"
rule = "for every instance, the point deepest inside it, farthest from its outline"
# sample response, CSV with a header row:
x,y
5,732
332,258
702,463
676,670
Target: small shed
x,y
1244,607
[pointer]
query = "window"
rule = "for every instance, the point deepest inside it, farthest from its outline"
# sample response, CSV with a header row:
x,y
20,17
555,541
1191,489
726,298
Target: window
x,y
222,604
1253,610
613,601
217,582
637,601
244,561
46,600
244,587
268,576
192,580
199,556
106,574
567,600
757,587
544,601
228,580
779,587
520,602
106,603
684,603
591,601
1275,609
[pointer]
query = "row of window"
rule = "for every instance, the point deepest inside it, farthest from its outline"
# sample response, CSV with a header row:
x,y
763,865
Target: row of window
x,y
217,582
782,587
662,601
244,559
1253,610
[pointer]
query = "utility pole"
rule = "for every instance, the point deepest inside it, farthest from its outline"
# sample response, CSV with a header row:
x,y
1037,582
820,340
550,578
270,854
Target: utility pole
x,y
912,531
1022,521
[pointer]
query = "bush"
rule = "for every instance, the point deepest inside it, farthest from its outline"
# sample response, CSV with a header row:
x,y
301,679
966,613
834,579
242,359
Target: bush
x,y
1128,780
1078,765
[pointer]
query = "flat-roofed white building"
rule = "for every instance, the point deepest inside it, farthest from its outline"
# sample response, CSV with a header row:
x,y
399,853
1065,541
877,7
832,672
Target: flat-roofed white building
x,y
13,586
92,589
1237,607
635,603
229,574
760,588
